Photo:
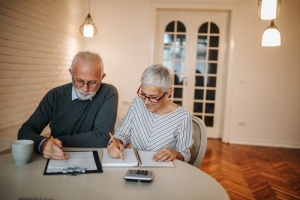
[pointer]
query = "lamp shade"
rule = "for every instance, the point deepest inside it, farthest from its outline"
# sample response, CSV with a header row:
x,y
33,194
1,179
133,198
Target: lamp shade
x,y
271,36
268,9
88,28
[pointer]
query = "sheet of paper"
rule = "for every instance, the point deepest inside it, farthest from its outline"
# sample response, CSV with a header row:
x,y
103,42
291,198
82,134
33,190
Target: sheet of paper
x,y
75,159
129,159
146,158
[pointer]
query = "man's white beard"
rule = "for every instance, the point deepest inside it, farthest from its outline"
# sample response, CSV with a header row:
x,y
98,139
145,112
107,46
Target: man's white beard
x,y
84,95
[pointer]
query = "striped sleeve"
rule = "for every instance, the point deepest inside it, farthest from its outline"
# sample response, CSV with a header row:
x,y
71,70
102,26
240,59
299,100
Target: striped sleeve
x,y
184,139
123,132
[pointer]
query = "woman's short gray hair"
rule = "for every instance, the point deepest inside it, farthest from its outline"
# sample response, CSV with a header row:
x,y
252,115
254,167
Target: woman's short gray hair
x,y
88,56
157,75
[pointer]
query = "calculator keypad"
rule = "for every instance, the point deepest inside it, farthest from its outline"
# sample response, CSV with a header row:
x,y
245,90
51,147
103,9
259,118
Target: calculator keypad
x,y
139,175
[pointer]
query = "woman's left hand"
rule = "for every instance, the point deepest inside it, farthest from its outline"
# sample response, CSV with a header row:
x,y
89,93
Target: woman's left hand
x,y
165,155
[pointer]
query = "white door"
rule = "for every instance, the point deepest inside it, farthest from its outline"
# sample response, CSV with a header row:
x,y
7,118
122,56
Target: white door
x,y
192,45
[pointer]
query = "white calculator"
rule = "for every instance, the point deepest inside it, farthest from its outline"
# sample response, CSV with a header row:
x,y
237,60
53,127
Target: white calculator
x,y
139,175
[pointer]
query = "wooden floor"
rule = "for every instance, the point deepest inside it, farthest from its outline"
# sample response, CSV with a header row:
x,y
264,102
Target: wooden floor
x,y
252,172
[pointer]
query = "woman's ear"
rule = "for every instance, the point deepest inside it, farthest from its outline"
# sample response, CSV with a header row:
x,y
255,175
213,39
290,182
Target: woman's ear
x,y
169,92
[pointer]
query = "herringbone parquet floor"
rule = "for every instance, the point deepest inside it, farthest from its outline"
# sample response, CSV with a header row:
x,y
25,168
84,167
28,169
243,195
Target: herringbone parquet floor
x,y
253,172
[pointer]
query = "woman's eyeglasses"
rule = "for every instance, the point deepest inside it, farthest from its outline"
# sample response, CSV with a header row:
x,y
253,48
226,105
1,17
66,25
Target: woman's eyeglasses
x,y
151,99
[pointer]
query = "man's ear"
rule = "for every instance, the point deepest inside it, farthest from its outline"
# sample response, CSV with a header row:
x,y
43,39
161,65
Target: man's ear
x,y
70,70
103,75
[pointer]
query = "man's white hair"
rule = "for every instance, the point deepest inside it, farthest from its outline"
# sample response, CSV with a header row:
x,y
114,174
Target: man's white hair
x,y
88,56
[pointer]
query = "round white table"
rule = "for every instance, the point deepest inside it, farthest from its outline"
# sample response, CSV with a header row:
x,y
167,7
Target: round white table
x,y
183,181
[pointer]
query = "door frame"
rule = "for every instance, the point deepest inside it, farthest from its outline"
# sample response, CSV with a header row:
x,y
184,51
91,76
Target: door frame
x,y
232,9
192,20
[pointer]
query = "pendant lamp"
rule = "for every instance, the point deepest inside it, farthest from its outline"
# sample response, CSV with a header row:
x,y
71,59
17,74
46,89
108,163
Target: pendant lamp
x,y
271,36
88,28
268,9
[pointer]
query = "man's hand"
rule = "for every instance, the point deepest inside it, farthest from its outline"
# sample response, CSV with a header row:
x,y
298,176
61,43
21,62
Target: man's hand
x,y
166,155
115,152
52,150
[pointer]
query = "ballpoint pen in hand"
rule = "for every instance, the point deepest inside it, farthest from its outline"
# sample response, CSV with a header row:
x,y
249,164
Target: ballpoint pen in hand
x,y
112,138
57,145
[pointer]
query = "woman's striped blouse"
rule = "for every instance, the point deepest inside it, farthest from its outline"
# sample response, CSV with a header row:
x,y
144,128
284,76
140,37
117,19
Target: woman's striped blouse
x,y
147,131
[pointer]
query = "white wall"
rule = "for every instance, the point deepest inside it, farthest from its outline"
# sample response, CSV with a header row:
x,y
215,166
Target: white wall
x,y
265,82
266,91
123,43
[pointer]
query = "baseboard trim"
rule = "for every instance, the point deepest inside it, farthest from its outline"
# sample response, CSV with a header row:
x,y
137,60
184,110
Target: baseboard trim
x,y
266,143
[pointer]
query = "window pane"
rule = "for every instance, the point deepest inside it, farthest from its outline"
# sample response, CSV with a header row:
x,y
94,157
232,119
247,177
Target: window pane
x,y
209,108
211,81
203,28
202,41
213,55
180,41
214,28
180,27
199,116
168,53
169,39
201,54
199,94
177,92
214,41
180,53
200,67
210,94
198,107
198,72
168,64
178,79
209,121
170,27
212,68
199,81
178,102
179,66
181,78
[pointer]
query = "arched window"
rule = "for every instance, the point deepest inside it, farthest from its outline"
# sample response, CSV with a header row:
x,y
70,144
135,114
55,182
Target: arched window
x,y
174,56
206,72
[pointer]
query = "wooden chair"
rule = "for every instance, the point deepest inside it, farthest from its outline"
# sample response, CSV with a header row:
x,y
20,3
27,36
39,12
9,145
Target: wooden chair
x,y
198,148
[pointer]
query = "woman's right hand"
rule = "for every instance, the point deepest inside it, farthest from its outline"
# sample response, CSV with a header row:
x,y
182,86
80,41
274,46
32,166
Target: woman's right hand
x,y
115,152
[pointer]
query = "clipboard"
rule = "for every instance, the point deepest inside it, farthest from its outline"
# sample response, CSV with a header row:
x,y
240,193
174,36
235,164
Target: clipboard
x,y
78,162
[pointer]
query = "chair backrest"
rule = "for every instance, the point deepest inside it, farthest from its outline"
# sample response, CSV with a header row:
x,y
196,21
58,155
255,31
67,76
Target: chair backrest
x,y
198,148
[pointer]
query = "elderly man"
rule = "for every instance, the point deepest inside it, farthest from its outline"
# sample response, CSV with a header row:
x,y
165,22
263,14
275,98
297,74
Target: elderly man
x,y
81,113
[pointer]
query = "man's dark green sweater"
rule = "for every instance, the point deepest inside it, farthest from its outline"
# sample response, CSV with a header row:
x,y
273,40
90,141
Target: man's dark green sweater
x,y
78,123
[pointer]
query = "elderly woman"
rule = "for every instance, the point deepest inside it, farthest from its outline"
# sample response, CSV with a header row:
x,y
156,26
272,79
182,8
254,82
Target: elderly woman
x,y
153,123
